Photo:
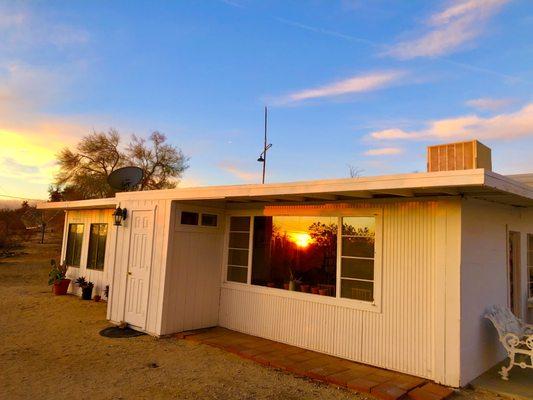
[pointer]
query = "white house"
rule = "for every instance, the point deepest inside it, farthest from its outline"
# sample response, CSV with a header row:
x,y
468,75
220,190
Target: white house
x,y
393,271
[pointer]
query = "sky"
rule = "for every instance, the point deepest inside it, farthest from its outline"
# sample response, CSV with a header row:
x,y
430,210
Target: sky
x,y
348,82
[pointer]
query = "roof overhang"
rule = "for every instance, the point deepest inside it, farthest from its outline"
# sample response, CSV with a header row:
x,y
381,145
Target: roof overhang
x,y
79,204
476,183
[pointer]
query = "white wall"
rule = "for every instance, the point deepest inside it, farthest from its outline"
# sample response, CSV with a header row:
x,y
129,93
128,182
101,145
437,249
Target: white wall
x,y
484,278
99,278
161,212
192,284
417,330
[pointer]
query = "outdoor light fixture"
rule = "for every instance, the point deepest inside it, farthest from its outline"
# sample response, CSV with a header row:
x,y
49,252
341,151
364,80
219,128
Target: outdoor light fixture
x,y
120,215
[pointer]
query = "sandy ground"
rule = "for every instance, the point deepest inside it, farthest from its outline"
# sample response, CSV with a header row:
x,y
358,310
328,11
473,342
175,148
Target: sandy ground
x,y
50,349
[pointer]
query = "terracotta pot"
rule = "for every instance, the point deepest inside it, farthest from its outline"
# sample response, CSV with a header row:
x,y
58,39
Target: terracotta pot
x,y
314,290
304,288
61,288
286,286
323,292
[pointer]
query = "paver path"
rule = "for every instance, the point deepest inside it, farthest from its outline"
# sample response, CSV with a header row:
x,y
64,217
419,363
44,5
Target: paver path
x,y
384,384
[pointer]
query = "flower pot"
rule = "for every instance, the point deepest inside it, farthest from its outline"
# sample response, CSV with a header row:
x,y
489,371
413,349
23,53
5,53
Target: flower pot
x,y
314,290
323,292
97,298
270,284
292,285
86,293
60,288
286,286
304,288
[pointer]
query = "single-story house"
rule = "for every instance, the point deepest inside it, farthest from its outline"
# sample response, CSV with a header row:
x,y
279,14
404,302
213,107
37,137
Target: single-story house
x,y
394,271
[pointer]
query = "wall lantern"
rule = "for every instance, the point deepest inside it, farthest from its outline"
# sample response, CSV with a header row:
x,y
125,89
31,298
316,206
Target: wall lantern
x,y
120,215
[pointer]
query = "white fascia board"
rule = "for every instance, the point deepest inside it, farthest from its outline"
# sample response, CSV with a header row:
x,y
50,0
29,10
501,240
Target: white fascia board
x,y
508,185
400,181
78,204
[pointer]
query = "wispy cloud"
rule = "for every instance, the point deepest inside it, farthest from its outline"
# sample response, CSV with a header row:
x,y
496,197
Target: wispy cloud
x,y
356,84
20,27
489,104
447,30
383,151
502,126
239,172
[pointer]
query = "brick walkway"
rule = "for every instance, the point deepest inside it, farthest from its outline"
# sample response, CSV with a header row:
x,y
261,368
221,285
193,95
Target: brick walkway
x,y
380,383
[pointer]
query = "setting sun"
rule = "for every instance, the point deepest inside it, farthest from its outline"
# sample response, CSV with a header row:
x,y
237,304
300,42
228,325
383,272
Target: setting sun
x,y
301,239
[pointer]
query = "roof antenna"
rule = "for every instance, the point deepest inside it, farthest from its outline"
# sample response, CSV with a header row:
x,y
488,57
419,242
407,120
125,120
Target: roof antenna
x,y
263,155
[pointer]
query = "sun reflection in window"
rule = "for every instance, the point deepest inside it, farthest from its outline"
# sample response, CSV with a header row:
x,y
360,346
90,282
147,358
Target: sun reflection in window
x,y
301,239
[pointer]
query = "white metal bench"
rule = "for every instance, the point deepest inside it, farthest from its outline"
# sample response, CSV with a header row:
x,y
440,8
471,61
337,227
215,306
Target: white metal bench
x,y
516,337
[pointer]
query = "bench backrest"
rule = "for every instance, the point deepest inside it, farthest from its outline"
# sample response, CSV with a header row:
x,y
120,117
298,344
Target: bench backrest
x,y
505,321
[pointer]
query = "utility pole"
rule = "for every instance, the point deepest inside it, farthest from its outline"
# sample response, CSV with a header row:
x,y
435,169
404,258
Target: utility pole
x,y
263,155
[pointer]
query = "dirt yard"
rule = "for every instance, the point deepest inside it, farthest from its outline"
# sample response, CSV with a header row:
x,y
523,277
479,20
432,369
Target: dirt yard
x,y
50,349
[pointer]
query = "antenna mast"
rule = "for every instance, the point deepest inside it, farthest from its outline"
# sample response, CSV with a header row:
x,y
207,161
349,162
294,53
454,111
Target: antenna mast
x,y
262,156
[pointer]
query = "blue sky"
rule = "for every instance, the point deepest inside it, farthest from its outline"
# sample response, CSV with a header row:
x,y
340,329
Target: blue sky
x,y
369,84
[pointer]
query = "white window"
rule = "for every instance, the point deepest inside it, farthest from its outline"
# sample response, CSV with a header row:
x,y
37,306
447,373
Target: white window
x,y
357,258
335,257
238,249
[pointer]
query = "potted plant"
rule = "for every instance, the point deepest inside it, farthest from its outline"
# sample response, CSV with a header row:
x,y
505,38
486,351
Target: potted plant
x,y
86,288
57,278
305,288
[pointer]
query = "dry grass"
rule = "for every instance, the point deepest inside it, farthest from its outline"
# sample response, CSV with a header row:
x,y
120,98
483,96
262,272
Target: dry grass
x,y
50,349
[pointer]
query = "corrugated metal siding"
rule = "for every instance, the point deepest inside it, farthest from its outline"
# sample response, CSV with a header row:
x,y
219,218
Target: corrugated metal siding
x,y
401,337
99,278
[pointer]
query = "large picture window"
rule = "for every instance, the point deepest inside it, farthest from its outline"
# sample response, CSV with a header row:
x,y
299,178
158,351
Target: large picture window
x,y
332,256
97,242
296,253
238,249
74,243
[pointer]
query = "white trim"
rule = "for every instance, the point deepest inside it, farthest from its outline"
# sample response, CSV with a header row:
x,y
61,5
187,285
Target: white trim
x,y
374,306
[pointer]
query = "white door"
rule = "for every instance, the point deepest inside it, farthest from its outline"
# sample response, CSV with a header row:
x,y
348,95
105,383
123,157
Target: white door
x,y
139,261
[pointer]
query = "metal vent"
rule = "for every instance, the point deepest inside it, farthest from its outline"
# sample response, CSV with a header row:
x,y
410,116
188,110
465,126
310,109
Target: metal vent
x,y
458,156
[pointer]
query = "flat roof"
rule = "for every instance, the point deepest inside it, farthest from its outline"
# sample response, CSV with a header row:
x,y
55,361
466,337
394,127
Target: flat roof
x,y
110,202
474,183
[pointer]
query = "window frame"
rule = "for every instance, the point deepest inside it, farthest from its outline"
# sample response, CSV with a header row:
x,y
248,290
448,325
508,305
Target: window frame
x,y
81,244
529,265
178,226
88,266
377,213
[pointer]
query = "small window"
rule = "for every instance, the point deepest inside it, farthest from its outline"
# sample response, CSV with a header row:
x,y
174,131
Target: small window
x,y
189,218
238,249
97,242
74,243
209,220
357,258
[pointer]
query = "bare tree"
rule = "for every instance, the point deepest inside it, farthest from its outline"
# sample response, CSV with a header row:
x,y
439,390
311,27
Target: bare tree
x,y
84,171
355,172
161,163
